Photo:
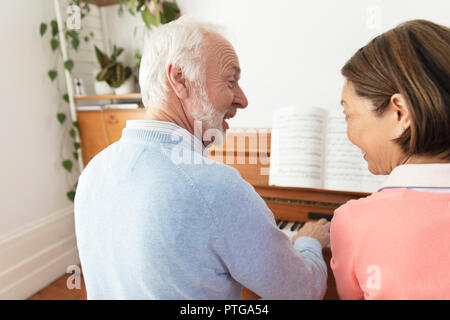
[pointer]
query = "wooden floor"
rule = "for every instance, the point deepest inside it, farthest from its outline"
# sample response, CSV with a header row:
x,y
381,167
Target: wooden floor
x,y
58,291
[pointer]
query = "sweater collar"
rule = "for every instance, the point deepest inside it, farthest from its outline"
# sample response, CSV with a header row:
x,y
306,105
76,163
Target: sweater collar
x,y
176,132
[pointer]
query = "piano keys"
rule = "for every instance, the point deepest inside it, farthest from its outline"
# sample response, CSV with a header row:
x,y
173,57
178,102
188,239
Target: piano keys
x,y
289,228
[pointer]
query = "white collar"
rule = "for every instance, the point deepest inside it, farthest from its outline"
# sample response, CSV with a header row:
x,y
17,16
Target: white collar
x,y
433,177
171,128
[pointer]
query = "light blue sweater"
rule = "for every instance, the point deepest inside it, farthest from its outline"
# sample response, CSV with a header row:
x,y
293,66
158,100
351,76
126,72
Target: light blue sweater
x,y
148,227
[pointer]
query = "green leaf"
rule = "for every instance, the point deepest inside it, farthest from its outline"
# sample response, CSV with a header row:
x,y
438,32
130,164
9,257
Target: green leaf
x,y
54,26
157,13
75,124
66,98
163,18
102,58
61,117
106,72
54,43
138,57
91,34
69,64
72,34
67,164
116,78
52,74
75,39
99,55
71,195
132,7
72,133
171,10
127,73
76,145
75,155
148,18
86,39
116,53
42,28
87,7
141,3
75,43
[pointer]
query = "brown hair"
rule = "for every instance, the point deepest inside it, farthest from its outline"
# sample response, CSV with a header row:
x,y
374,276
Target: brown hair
x,y
412,59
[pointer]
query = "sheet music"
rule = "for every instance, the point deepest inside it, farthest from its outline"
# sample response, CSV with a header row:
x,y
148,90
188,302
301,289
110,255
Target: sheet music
x,y
345,167
297,147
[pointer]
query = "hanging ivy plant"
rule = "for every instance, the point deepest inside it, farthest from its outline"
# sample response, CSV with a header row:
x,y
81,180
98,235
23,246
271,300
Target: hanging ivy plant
x,y
152,12
72,37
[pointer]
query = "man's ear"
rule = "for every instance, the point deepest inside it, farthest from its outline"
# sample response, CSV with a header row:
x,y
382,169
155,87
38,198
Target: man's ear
x,y
400,108
177,81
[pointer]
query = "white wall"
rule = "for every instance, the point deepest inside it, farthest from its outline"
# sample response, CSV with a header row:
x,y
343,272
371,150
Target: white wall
x,y
291,51
125,31
37,240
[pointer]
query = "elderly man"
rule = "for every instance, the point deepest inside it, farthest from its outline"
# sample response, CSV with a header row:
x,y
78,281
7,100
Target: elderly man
x,y
153,223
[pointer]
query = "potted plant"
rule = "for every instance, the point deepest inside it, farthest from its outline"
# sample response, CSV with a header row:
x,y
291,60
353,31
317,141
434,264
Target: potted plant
x,y
138,57
113,76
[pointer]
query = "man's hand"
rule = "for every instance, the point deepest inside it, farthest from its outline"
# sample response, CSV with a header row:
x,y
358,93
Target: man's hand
x,y
319,230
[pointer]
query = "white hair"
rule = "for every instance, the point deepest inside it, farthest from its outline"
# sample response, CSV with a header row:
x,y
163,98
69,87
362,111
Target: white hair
x,y
179,42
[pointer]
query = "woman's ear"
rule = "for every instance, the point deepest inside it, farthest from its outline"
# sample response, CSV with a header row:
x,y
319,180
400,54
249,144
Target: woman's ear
x,y
177,81
401,108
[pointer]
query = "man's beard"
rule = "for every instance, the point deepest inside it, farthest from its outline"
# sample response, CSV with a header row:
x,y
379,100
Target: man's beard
x,y
211,121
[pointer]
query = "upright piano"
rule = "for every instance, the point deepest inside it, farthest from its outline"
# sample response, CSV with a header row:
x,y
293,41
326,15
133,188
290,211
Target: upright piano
x,y
251,157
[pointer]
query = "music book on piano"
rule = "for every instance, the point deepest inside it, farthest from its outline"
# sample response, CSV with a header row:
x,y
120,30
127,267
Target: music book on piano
x,y
310,149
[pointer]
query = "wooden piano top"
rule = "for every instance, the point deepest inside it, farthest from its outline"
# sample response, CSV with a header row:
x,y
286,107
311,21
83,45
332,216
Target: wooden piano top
x,y
332,197
249,152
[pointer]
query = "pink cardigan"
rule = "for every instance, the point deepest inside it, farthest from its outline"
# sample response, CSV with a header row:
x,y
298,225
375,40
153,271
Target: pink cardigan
x,y
395,243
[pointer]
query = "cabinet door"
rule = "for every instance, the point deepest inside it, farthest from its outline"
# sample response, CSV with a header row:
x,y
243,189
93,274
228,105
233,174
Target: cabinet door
x,y
115,121
98,129
92,133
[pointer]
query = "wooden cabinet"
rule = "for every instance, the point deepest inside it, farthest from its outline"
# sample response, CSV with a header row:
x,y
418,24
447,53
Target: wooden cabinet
x,y
92,135
116,120
99,128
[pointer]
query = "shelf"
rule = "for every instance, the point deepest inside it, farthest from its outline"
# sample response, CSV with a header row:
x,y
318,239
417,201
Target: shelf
x,y
109,96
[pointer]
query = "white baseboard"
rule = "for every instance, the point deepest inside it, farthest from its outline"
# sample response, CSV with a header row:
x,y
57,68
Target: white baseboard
x,y
34,256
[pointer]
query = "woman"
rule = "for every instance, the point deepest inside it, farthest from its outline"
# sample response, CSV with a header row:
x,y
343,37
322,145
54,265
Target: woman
x,y
395,244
